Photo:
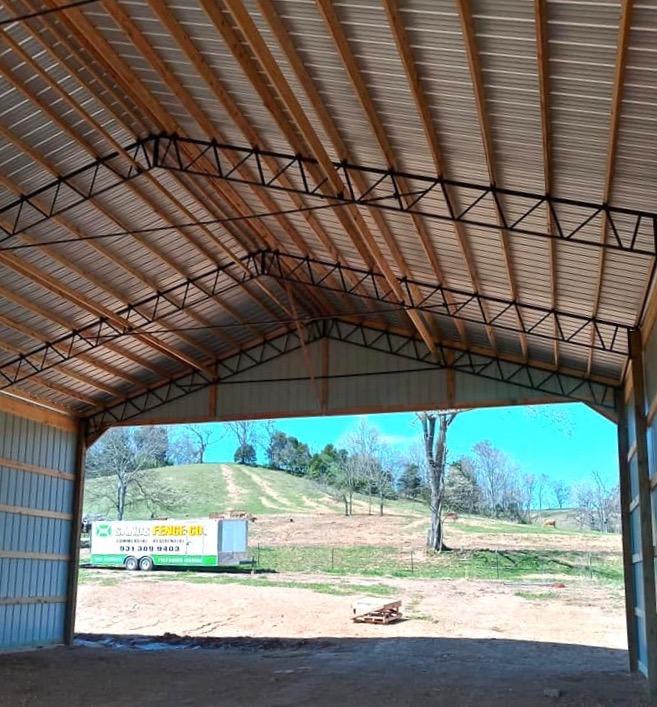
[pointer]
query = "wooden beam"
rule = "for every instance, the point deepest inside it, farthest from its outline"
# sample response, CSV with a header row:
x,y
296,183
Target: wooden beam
x,y
96,245
543,66
50,283
254,137
472,53
622,44
350,217
125,77
41,411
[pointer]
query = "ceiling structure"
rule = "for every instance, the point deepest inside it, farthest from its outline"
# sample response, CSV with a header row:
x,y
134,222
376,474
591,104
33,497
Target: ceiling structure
x,y
183,181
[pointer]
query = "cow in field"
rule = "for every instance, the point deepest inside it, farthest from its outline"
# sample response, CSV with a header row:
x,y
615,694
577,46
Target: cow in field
x,y
451,516
550,523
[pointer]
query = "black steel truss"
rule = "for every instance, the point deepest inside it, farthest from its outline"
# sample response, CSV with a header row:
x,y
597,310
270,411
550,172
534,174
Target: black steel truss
x,y
131,319
550,383
543,322
72,189
435,299
484,206
479,205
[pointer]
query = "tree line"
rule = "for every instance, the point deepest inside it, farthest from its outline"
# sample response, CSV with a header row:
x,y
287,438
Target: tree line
x,y
485,482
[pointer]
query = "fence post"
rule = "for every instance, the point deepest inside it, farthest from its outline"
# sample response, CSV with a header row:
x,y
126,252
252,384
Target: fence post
x,y
332,559
497,563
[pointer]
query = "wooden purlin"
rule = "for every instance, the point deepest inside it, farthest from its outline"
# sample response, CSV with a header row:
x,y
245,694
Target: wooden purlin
x,y
351,219
353,71
72,49
614,123
173,83
543,66
472,52
69,326
10,261
86,33
50,283
215,84
207,125
417,89
58,387
130,185
41,337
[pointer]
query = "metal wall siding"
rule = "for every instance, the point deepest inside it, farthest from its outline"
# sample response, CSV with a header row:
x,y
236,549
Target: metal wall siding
x,y
32,578
39,586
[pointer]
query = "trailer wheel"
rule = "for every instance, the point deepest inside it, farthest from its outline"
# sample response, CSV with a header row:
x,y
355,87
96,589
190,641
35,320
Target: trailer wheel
x,y
146,564
131,563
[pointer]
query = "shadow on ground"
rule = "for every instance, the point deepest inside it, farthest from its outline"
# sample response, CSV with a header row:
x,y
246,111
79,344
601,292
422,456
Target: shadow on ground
x,y
112,670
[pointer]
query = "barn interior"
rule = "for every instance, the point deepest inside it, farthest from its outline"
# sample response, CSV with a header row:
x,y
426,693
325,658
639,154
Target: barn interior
x,y
234,209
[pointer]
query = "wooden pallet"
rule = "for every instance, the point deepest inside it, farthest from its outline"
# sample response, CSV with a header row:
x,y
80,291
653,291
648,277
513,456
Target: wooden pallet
x,y
373,611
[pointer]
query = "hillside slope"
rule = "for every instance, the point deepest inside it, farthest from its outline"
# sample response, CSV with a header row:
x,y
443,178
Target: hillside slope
x,y
198,489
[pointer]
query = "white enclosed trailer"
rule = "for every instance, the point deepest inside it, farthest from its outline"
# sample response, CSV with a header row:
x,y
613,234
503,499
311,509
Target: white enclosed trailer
x,y
144,544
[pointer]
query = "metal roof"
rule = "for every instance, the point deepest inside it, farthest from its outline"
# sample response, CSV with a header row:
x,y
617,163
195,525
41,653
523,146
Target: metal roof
x,y
535,122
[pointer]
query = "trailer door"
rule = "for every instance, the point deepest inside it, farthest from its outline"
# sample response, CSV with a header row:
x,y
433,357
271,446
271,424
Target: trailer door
x,y
233,538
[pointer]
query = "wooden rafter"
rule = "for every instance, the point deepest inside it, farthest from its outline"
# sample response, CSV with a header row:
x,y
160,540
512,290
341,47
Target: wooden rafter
x,y
102,50
472,53
543,65
612,146
67,99
424,111
350,217
216,85
204,122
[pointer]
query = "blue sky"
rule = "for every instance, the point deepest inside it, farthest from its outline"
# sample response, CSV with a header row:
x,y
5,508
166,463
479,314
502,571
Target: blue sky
x,y
565,441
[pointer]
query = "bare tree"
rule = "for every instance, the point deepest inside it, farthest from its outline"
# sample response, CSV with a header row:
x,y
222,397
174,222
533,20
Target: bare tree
x,y
364,447
125,454
200,437
597,504
542,485
561,492
247,434
435,450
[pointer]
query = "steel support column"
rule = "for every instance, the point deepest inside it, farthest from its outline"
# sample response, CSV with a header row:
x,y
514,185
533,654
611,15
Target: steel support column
x,y
645,509
625,501
76,523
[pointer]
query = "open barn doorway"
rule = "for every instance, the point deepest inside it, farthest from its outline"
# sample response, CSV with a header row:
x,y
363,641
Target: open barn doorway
x,y
339,512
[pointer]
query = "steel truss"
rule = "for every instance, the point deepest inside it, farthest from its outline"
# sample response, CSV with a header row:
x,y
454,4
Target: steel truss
x,y
484,206
132,319
550,383
534,320
68,191
478,205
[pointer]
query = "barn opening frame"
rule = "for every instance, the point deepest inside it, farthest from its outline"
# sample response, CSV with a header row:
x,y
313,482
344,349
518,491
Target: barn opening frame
x,y
268,214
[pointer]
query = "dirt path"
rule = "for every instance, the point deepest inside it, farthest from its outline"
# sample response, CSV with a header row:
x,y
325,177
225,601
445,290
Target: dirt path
x,y
233,489
268,491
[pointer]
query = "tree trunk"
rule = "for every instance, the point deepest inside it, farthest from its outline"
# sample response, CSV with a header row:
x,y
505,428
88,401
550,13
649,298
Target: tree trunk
x,y
121,492
380,504
351,503
346,504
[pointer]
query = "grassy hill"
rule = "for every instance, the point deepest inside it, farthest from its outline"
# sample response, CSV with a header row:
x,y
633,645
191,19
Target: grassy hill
x,y
199,489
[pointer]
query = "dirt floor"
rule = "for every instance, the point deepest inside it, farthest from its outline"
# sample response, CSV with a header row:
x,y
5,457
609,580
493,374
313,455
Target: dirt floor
x,y
369,672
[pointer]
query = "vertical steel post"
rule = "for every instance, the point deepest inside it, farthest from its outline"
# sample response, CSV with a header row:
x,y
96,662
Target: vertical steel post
x,y
645,508
625,501
76,520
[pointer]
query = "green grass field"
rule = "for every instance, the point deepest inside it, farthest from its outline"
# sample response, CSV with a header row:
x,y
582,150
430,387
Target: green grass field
x,y
200,489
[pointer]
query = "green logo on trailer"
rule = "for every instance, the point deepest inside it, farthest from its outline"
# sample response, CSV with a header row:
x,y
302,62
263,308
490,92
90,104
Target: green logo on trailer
x,y
104,530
